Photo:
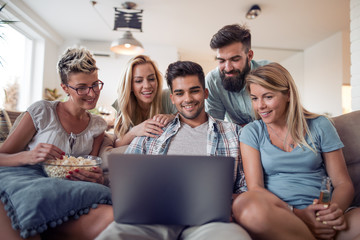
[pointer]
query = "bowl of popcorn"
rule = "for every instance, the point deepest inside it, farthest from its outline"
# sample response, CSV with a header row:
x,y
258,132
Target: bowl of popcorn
x,y
60,168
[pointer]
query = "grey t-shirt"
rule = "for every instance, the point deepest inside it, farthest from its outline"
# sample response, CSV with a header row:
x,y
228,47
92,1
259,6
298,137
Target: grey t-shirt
x,y
189,141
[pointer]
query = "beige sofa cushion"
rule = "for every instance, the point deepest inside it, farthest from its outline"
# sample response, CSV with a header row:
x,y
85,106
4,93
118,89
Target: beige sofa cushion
x,y
348,128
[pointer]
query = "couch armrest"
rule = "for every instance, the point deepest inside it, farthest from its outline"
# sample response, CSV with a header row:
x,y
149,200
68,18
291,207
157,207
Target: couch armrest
x,y
348,128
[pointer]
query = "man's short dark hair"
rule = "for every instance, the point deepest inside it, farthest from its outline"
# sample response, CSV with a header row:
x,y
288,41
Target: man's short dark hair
x,y
230,34
183,69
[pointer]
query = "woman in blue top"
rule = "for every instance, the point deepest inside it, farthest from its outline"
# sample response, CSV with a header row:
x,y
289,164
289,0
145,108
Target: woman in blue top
x,y
286,152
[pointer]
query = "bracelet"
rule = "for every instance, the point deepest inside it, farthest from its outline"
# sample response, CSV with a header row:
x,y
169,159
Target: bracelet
x,y
291,207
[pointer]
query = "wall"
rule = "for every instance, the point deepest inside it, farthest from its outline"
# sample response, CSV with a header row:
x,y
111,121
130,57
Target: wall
x,y
207,62
346,56
295,66
50,77
325,65
318,71
323,76
355,52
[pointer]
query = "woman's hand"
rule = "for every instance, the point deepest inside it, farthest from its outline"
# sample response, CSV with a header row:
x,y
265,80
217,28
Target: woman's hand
x,y
321,229
332,216
95,175
164,118
42,152
148,128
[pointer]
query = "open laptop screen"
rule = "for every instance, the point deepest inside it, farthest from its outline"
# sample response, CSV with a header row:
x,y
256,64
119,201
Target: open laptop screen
x,y
171,189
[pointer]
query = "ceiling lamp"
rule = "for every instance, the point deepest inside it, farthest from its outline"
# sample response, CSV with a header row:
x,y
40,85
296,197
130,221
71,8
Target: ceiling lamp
x,y
126,19
127,45
253,12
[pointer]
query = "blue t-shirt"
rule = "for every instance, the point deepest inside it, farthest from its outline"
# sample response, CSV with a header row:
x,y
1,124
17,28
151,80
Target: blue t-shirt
x,y
295,177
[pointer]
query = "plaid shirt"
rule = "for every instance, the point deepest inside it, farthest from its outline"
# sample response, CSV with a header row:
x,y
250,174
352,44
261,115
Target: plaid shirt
x,y
222,140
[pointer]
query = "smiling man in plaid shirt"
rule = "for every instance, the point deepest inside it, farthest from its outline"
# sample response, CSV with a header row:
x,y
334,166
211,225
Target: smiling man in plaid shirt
x,y
192,132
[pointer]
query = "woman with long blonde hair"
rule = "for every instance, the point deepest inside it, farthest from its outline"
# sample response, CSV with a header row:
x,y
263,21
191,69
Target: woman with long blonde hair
x,y
143,106
286,153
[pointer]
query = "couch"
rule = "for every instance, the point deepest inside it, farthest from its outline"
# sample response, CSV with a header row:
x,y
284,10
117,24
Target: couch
x,y
347,126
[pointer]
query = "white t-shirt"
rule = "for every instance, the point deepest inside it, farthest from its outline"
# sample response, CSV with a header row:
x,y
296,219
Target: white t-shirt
x,y
49,129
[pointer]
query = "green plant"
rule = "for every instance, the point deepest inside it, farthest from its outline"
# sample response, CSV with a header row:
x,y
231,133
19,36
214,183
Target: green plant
x,y
3,22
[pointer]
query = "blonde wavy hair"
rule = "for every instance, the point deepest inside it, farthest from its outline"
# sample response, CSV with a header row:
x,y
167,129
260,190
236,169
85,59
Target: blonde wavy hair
x,y
129,111
276,78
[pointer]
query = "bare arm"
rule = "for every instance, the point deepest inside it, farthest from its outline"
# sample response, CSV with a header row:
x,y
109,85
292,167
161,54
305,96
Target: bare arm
x,y
12,150
343,192
97,144
126,139
252,167
323,219
149,128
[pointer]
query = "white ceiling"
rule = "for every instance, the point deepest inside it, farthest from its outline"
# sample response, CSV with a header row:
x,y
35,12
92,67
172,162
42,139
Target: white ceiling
x,y
189,24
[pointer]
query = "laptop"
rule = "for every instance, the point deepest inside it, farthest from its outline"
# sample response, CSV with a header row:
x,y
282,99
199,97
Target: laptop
x,y
171,189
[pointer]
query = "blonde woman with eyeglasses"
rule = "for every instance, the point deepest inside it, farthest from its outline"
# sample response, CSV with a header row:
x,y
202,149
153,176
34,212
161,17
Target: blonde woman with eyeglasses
x,y
39,206
144,108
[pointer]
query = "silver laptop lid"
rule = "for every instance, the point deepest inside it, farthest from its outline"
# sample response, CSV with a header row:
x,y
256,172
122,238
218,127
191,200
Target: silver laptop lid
x,y
170,189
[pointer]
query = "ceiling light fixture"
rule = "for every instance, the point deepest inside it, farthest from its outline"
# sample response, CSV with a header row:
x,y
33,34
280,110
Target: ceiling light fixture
x,y
127,45
127,18
253,12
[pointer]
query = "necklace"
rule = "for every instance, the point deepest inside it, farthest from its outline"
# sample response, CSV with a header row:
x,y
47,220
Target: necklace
x,y
291,145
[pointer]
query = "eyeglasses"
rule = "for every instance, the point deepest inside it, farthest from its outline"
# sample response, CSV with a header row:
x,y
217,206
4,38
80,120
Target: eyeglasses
x,y
96,87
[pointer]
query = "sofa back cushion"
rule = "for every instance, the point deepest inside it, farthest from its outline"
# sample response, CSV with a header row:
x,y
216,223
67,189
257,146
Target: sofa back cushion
x,y
5,125
348,128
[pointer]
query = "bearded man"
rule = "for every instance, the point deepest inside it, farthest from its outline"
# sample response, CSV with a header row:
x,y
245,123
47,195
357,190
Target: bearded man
x,y
227,94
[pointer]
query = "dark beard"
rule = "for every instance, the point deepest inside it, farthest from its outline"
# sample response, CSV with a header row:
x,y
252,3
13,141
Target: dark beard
x,y
236,83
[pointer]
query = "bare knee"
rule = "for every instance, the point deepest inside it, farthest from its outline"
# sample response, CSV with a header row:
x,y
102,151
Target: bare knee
x,y
100,219
353,221
88,226
252,211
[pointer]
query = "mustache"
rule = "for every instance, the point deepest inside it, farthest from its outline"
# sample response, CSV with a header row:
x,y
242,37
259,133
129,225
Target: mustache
x,y
232,72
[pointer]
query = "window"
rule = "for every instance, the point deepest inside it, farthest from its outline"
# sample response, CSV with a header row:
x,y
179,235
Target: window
x,y
15,50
